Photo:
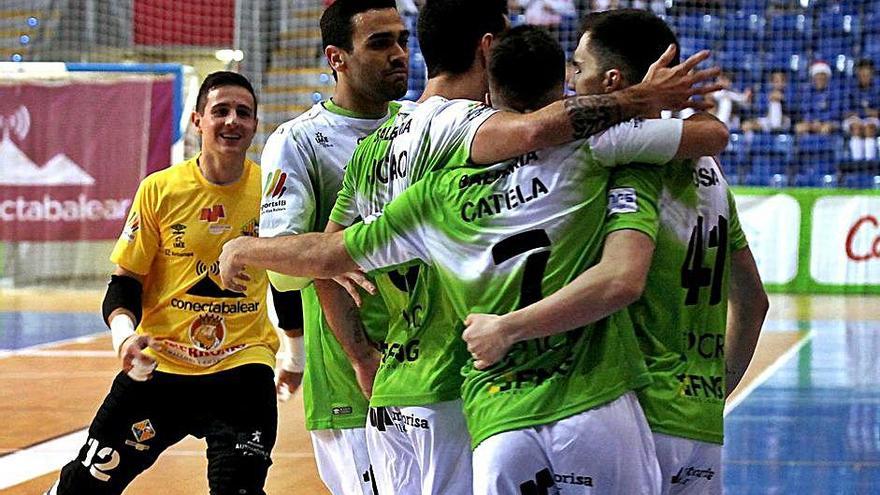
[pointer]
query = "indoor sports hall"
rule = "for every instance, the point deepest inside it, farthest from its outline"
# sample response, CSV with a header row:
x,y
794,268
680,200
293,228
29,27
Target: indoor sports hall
x,y
96,94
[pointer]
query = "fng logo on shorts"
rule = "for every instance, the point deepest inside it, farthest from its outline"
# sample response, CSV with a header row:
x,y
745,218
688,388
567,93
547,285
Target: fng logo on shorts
x,y
622,200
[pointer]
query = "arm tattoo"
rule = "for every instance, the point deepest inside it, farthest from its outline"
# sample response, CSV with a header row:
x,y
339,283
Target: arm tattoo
x,y
356,324
591,115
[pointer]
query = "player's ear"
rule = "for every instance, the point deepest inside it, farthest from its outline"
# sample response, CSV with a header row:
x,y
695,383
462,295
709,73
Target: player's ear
x,y
484,47
335,57
196,119
613,80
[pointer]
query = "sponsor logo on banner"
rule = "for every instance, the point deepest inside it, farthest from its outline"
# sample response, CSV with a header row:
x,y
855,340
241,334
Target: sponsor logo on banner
x,y
143,430
845,242
772,227
57,185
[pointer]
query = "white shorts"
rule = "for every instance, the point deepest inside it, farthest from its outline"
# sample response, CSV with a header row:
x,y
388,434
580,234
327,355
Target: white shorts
x,y
688,466
606,450
420,449
343,461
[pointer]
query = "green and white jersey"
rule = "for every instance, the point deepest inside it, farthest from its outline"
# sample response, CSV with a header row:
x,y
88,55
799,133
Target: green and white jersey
x,y
423,352
302,168
502,237
682,316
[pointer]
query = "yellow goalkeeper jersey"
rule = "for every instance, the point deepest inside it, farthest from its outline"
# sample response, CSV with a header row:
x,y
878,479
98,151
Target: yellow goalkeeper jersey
x,y
175,230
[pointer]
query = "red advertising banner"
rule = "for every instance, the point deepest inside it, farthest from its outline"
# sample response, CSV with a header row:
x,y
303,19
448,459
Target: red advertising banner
x,y
193,22
73,153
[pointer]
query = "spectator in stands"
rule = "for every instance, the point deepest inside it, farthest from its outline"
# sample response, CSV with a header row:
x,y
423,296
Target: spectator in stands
x,y
728,101
772,98
820,113
546,13
862,113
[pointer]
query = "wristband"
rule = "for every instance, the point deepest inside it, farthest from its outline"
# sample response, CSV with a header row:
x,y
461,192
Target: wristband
x,y
295,362
121,328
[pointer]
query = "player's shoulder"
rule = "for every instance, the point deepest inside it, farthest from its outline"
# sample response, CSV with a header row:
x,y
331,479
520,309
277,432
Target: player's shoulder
x,y
172,175
301,124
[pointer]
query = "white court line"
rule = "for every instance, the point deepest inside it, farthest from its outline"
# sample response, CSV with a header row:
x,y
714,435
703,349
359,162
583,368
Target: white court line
x,y
5,353
768,372
40,459
85,353
44,458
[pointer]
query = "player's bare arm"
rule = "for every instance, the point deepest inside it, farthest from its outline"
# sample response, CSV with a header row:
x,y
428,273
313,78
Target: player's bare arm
x,y
345,321
746,308
614,283
314,255
508,134
702,134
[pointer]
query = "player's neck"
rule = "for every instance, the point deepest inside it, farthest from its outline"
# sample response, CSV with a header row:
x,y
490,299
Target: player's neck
x,y
219,169
348,99
470,86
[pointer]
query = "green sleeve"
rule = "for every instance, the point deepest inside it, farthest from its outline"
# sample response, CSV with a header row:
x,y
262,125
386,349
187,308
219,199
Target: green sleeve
x,y
633,199
737,236
395,237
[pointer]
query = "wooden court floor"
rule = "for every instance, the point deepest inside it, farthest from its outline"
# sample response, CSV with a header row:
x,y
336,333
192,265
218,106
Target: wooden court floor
x,y
53,390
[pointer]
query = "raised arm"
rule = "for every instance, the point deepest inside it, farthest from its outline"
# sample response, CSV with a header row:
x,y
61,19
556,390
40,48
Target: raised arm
x,y
702,134
747,307
507,134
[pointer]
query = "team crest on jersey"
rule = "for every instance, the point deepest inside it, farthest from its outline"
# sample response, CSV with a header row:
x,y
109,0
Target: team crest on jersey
x,y
143,430
622,200
214,217
132,226
207,332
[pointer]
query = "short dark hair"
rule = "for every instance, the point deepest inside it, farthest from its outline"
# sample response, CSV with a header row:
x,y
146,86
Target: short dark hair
x,y
865,62
531,48
337,28
450,30
222,78
630,40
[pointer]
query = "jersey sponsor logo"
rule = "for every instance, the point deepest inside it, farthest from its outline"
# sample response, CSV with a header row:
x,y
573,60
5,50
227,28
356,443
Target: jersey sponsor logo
x,y
206,287
177,231
382,418
622,200
275,185
573,479
407,352
323,140
706,345
213,217
223,308
388,133
475,110
688,474
496,203
251,444
543,484
701,387
251,229
534,377
143,430
132,226
706,177
872,251
494,175
207,332
196,356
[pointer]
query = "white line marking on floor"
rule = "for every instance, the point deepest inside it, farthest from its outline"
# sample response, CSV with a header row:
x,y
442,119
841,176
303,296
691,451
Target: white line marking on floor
x,y
85,339
40,459
768,372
